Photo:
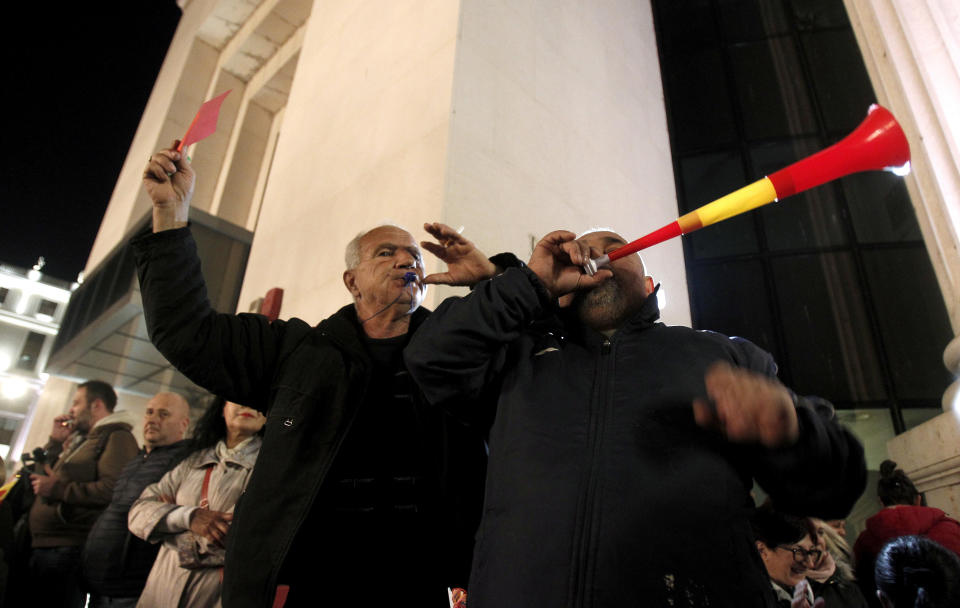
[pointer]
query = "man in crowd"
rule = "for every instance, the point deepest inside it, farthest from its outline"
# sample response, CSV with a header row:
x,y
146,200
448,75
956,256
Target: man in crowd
x,y
88,447
115,562
622,451
359,486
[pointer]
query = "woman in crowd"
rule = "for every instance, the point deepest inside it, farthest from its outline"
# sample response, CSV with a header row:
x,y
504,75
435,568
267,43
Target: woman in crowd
x,y
915,572
903,514
788,547
191,507
832,577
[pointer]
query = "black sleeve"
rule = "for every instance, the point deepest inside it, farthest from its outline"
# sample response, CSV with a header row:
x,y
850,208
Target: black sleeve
x,y
230,355
824,472
458,352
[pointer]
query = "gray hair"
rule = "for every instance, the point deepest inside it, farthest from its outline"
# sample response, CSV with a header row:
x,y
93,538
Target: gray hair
x,y
351,255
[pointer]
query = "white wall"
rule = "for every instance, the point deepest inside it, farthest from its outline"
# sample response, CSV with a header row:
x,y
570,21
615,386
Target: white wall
x,y
559,122
363,140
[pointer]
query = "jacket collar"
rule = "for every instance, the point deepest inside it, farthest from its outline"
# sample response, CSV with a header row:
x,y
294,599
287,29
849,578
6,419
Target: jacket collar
x,y
245,457
646,317
343,328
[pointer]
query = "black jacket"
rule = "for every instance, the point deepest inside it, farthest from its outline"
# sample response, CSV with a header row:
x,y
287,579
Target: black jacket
x,y
601,489
310,382
115,562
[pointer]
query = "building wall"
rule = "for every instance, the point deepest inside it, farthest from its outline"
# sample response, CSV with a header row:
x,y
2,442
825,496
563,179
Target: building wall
x,y
558,122
364,141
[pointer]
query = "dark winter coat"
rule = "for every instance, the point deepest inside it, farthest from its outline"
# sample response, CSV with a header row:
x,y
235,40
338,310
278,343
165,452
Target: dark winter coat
x,y
115,562
310,382
601,489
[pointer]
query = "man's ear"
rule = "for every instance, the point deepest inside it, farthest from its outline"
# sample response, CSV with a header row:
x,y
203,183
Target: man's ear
x,y
350,281
648,283
761,548
98,405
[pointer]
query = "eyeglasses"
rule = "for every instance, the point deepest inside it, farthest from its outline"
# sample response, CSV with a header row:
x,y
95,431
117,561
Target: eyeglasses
x,y
800,555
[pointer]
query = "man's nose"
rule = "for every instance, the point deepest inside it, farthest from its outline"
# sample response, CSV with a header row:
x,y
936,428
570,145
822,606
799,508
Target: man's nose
x,y
404,260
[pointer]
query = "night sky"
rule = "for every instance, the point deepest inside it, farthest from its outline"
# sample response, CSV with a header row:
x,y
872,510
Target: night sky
x,y
77,78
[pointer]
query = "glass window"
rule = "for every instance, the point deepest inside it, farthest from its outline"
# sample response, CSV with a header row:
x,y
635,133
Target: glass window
x,y
31,351
839,78
809,219
732,298
913,322
699,102
915,416
880,208
828,342
685,26
3,294
815,14
751,19
773,98
705,178
47,308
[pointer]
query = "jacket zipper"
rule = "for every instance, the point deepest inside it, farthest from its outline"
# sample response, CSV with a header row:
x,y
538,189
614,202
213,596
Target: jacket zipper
x,y
583,564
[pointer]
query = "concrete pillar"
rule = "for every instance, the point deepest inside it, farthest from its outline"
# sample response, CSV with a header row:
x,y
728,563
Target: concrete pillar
x,y
912,51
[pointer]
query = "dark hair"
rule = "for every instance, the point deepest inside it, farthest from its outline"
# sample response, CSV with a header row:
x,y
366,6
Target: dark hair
x,y
211,427
916,572
773,528
98,389
894,487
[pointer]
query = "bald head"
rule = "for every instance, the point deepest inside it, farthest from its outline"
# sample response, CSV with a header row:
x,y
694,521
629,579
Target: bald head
x,y
165,420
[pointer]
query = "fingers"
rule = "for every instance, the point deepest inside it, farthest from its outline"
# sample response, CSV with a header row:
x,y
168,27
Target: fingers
x,y
586,281
438,278
749,407
578,251
443,233
437,250
162,165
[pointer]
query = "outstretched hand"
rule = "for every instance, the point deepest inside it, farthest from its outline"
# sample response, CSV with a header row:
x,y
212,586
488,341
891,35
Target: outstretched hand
x,y
557,260
169,180
466,265
747,407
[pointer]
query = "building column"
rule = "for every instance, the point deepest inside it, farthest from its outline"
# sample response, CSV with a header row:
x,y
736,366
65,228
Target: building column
x,y
911,49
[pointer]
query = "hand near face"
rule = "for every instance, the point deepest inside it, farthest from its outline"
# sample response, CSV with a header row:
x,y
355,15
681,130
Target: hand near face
x,y
557,261
62,427
800,599
466,265
212,525
747,407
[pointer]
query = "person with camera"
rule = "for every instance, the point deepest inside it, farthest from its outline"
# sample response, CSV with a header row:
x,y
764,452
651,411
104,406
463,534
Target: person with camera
x,y
88,448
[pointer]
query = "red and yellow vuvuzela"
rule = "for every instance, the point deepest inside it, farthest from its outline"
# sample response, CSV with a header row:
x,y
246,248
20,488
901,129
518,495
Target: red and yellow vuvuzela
x,y
877,144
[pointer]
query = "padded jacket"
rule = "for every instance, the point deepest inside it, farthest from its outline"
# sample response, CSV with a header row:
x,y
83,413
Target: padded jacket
x,y
115,562
601,489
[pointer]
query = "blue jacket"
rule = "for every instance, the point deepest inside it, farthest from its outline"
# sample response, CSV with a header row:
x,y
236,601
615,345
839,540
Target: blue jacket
x,y
115,562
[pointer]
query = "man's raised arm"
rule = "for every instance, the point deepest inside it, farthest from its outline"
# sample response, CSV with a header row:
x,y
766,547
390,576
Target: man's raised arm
x,y
169,180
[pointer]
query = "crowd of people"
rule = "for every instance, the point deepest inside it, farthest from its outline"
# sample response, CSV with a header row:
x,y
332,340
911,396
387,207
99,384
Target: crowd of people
x,y
542,441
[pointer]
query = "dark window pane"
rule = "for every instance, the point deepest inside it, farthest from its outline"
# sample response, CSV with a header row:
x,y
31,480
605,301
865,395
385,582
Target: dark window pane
x,y
773,97
31,351
815,14
829,347
708,177
913,320
880,208
839,77
732,298
47,308
809,219
752,19
3,294
685,26
699,102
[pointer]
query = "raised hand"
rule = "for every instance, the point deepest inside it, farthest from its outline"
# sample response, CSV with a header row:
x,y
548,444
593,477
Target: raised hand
x,y
466,265
557,261
747,407
169,180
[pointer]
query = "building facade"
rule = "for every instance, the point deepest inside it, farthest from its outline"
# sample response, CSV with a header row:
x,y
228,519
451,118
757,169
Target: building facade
x,y
510,119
